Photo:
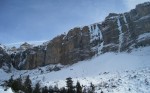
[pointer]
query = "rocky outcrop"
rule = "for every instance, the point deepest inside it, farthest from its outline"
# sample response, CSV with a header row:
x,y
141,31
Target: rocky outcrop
x,y
64,49
117,33
4,57
76,46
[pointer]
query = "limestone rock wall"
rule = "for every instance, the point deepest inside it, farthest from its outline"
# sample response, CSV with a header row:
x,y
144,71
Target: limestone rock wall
x,y
117,33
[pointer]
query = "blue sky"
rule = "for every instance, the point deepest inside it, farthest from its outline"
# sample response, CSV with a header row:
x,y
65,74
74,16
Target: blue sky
x,y
38,20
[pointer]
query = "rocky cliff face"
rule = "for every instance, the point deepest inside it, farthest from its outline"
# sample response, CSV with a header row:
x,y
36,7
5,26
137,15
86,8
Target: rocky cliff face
x,y
117,33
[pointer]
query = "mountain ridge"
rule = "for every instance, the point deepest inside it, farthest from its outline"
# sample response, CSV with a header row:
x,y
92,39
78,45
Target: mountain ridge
x,y
120,69
117,33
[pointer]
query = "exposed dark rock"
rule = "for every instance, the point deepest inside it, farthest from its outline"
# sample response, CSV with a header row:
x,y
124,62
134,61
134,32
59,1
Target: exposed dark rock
x,y
117,33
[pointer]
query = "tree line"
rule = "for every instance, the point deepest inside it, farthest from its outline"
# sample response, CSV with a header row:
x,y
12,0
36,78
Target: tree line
x,y
18,86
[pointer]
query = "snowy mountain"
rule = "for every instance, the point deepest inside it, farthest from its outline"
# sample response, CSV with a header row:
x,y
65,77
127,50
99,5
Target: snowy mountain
x,y
18,44
110,73
117,33
112,54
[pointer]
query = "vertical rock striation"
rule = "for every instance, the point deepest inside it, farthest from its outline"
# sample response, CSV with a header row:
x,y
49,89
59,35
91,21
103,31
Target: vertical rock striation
x,y
117,33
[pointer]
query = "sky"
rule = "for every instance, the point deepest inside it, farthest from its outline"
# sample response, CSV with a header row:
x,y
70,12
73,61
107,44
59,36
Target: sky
x,y
42,20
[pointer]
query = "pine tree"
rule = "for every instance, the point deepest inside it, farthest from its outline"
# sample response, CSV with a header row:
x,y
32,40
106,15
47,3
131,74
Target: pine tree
x,y
27,85
63,90
51,90
45,90
15,86
69,83
10,81
56,89
19,80
37,88
91,89
84,90
79,88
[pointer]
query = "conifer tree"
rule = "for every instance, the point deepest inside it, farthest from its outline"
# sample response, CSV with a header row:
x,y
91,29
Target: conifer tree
x,y
63,90
27,85
69,83
15,85
78,87
10,81
56,89
37,88
45,90
51,90
91,89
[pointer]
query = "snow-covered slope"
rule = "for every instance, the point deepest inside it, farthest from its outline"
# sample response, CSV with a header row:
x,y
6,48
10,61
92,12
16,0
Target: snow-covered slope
x,y
5,91
34,43
109,72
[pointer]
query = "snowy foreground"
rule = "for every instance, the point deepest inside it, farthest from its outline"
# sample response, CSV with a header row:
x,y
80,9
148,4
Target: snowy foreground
x,y
110,73
7,91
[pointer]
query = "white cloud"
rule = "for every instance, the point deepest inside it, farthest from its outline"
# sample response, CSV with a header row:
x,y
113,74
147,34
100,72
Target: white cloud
x,y
130,4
